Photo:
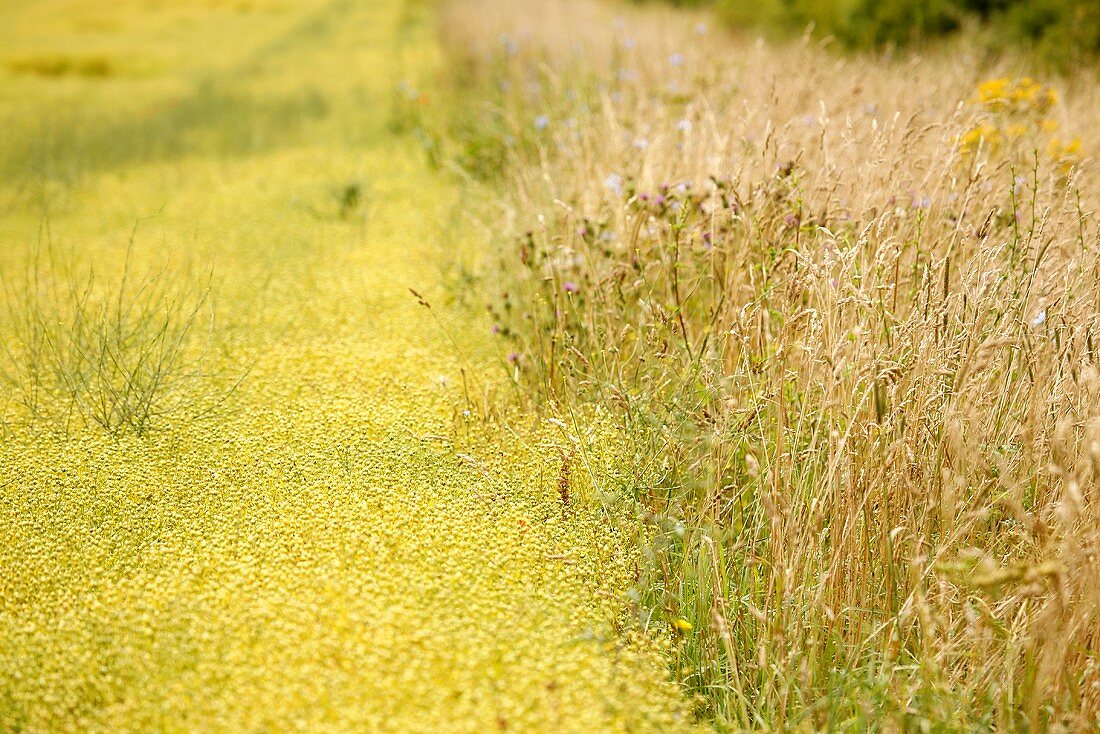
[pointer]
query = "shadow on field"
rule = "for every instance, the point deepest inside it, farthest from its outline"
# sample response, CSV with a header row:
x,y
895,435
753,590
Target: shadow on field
x,y
221,117
213,121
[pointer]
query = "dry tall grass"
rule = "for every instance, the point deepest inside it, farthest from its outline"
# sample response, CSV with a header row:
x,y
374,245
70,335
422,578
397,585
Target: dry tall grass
x,y
848,309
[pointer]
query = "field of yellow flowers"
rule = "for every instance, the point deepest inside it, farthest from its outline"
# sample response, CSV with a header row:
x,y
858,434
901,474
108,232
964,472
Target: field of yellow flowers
x,y
246,478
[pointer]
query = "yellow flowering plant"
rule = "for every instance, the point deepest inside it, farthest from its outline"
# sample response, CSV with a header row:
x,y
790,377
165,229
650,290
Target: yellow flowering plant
x,y
1015,118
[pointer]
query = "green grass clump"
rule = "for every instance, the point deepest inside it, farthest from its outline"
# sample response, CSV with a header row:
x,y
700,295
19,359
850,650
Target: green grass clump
x,y
128,356
56,66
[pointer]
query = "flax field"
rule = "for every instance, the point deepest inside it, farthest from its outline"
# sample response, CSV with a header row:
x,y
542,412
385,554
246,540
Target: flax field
x,y
542,366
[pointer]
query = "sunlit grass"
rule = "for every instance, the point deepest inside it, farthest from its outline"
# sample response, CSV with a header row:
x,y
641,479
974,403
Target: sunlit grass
x,y
846,311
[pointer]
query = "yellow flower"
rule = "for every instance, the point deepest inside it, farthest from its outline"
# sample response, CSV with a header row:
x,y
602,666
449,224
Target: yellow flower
x,y
1020,96
682,626
994,93
1065,155
981,137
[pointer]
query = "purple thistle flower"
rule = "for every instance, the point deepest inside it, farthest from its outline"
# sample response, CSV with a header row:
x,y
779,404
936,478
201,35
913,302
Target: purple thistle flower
x,y
570,287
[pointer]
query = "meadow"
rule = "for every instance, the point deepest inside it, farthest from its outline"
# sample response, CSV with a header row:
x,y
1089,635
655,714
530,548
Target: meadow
x,y
469,365
845,309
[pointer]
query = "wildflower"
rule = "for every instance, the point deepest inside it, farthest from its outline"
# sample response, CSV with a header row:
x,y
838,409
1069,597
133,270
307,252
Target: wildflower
x,y
676,60
1039,319
684,126
1031,94
1065,155
614,184
641,143
682,626
1020,96
994,93
701,29
982,137
513,357
496,328
542,122
570,287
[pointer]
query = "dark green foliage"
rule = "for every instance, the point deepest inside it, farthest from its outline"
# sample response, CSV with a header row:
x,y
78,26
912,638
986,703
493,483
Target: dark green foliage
x,y
901,21
1065,31
1062,32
